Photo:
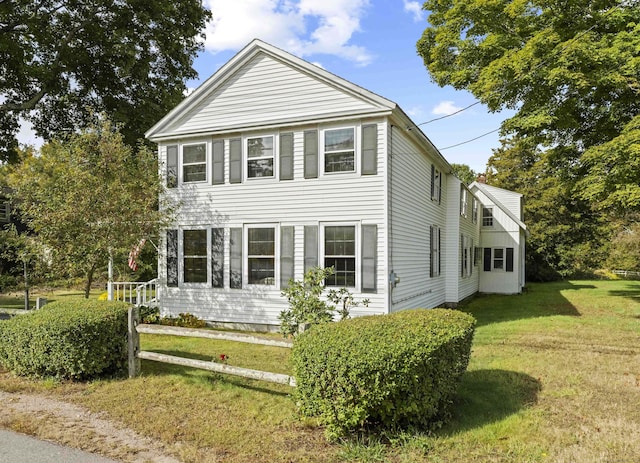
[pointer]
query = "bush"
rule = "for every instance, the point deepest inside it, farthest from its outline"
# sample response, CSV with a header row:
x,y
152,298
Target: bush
x,y
393,370
185,320
67,339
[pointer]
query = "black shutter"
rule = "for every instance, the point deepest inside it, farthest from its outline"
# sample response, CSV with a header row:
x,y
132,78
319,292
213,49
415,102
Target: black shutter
x,y
310,247
509,259
487,259
431,253
433,181
217,177
217,257
286,156
172,258
235,160
311,154
369,149
235,263
172,166
369,254
287,257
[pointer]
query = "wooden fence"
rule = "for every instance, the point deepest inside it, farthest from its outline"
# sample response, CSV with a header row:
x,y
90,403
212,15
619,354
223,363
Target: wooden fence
x,y
135,354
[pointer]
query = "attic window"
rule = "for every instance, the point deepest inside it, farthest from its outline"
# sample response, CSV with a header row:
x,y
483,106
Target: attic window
x,y
339,150
487,217
260,157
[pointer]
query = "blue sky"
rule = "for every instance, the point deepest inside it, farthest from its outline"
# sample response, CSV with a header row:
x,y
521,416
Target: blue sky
x,y
371,43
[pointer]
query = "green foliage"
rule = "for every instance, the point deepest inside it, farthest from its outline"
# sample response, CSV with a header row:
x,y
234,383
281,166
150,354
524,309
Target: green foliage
x,y
76,340
306,305
89,196
129,59
464,173
624,249
185,319
393,370
149,315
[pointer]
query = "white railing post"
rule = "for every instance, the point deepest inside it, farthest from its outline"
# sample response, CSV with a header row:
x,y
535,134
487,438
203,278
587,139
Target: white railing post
x,y
110,280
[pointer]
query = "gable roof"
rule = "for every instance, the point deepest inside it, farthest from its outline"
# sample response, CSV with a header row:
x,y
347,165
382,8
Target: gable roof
x,y
253,53
486,190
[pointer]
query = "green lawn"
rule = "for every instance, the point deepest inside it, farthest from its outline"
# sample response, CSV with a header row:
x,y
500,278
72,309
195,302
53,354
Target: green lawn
x,y
554,377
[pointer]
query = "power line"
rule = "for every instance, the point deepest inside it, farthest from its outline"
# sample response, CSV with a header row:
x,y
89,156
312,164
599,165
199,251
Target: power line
x,y
448,115
469,141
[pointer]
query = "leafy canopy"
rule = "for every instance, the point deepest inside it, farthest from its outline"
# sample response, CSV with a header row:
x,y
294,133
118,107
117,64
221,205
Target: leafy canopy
x,y
88,196
61,59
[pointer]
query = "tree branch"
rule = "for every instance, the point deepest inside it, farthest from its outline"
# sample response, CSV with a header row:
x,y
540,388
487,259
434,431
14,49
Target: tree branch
x,y
25,106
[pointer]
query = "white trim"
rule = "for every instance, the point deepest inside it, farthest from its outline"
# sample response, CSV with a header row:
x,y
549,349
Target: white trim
x,y
356,148
181,164
275,157
245,255
181,257
358,251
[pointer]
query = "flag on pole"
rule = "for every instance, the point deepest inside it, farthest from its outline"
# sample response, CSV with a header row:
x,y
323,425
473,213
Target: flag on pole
x,y
134,253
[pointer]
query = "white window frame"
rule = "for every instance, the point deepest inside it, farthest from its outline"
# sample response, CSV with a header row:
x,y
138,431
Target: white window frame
x,y
182,164
182,256
436,194
474,209
323,152
246,256
486,219
464,199
467,256
503,259
274,156
356,256
435,248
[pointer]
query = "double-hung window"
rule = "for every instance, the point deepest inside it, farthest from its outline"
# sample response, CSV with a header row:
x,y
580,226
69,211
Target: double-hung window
x,y
340,253
436,184
466,267
260,157
435,262
194,256
474,212
463,201
498,260
487,217
261,256
194,163
339,150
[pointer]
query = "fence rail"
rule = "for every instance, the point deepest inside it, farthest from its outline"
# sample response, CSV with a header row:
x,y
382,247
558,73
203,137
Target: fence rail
x,y
626,273
135,354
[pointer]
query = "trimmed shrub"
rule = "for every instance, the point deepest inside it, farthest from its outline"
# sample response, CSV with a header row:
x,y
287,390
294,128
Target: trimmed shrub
x,y
398,370
77,340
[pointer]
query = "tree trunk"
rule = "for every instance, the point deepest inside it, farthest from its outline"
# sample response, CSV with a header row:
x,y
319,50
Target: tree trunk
x,y
90,273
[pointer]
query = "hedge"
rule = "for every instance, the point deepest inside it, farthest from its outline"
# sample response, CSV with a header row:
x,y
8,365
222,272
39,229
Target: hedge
x,y
398,370
78,340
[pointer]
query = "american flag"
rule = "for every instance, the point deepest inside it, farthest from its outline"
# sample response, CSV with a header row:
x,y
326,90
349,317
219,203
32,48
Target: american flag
x,y
134,253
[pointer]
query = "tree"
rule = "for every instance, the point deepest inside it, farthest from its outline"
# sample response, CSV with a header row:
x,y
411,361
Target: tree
x,y
464,173
571,71
88,196
62,61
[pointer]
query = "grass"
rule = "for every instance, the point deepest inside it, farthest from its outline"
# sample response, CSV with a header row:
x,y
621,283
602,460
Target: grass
x,y
554,377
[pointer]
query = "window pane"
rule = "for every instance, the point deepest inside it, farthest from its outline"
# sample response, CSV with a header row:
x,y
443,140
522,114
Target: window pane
x,y
344,271
194,153
195,242
262,271
261,242
260,147
195,173
339,140
260,168
195,269
339,162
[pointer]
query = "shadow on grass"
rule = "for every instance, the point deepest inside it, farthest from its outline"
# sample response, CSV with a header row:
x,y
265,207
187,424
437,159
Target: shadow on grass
x,y
632,291
153,368
487,396
538,300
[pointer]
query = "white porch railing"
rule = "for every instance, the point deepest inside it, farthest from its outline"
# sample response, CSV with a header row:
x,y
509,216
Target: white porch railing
x,y
138,294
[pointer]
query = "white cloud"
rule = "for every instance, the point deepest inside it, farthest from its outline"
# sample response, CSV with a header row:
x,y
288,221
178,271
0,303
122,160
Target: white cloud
x,y
302,27
415,111
445,108
27,136
415,8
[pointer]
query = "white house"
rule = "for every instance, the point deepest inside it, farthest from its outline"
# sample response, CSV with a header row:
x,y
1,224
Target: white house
x,y
281,166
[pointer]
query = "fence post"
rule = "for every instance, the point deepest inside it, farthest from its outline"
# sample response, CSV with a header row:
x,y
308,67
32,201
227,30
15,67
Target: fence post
x,y
133,342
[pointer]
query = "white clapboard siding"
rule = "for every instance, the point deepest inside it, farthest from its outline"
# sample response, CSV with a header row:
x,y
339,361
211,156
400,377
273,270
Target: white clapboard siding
x,y
509,199
266,89
412,212
348,198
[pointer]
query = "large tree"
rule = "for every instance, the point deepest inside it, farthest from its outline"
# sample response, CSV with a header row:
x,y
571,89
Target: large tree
x,y
88,196
61,61
570,69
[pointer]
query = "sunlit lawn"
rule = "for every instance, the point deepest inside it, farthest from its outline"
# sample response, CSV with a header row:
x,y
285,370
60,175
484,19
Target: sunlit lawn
x,y
554,376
